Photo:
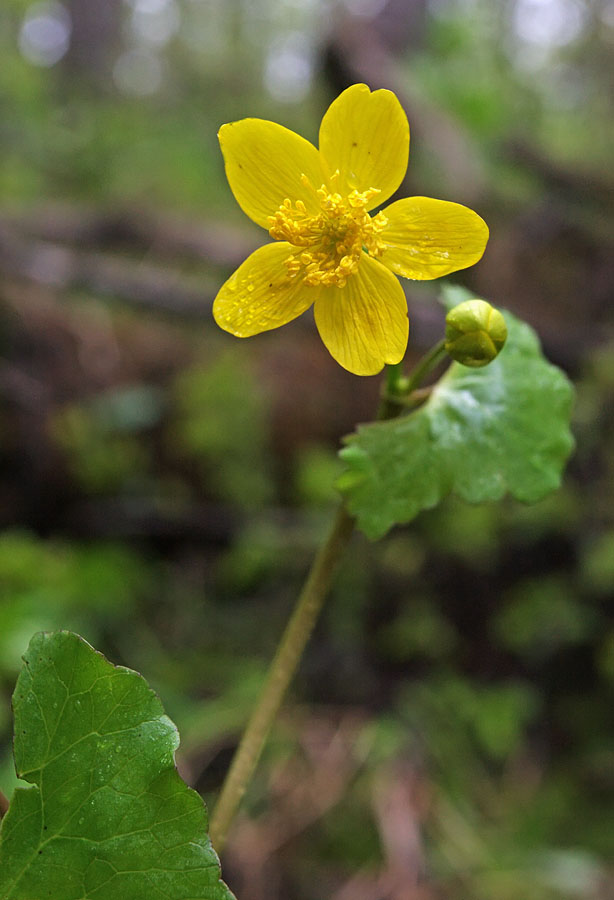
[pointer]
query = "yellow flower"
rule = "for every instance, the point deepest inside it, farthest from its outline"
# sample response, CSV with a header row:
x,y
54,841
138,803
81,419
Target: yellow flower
x,y
328,250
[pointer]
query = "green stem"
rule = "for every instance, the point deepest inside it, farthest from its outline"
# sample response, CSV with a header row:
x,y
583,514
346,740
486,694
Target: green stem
x,y
390,405
282,669
301,624
424,366
394,374
396,396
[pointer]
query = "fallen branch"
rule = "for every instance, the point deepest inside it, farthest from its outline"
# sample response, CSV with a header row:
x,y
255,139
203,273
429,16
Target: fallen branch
x,y
68,270
134,230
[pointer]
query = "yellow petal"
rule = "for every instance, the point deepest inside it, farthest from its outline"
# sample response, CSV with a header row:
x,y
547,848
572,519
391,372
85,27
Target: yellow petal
x,y
428,238
366,136
364,324
260,295
264,163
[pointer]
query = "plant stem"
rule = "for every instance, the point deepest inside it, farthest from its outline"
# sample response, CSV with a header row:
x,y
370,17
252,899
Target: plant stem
x,y
302,621
4,805
399,392
424,366
389,406
282,669
394,375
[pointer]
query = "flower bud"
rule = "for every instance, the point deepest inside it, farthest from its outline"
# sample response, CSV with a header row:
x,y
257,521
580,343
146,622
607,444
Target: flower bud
x,y
475,333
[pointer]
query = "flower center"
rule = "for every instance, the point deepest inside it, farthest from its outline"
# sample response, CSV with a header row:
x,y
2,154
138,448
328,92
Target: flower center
x,y
330,243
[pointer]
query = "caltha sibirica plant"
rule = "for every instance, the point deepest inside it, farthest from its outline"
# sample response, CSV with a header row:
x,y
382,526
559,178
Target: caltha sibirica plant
x,y
105,814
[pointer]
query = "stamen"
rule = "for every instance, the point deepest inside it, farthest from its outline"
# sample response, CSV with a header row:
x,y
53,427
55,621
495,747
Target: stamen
x,y
334,239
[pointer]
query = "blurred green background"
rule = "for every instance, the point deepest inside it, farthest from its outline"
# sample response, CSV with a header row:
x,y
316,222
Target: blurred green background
x,y
163,486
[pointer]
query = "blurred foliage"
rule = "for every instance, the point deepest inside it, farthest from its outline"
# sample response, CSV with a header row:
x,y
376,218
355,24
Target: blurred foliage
x,y
221,419
101,439
49,585
162,488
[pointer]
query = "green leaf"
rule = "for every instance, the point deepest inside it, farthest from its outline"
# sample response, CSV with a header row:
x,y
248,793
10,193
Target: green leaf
x,y
106,815
481,433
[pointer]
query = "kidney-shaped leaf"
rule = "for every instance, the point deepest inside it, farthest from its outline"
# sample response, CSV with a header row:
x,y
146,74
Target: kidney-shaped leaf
x,y
481,433
106,815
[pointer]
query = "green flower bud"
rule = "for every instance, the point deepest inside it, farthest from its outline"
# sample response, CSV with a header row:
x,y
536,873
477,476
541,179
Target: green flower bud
x,y
475,333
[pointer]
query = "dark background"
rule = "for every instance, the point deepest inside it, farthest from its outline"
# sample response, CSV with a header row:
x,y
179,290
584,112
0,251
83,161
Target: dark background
x,y
163,486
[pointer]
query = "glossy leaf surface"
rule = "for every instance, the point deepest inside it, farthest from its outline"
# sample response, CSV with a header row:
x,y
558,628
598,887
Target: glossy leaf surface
x,y
482,433
106,815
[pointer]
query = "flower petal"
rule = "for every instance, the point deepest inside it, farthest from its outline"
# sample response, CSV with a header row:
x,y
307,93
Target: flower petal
x,y
366,136
260,295
428,238
264,163
364,324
